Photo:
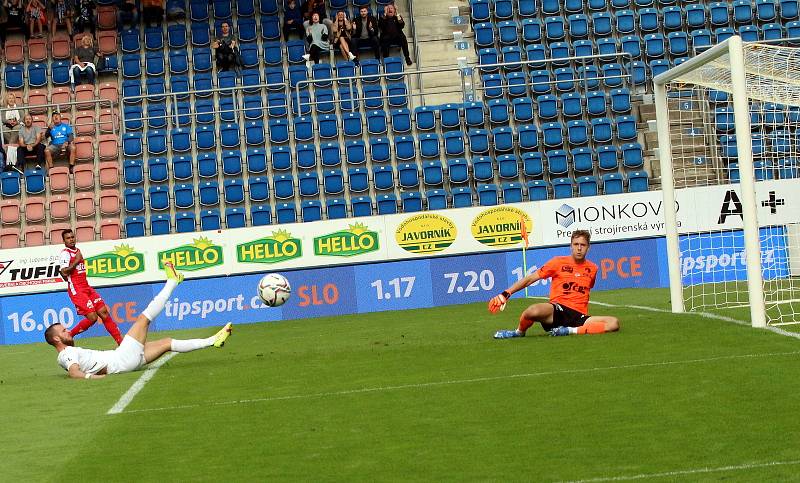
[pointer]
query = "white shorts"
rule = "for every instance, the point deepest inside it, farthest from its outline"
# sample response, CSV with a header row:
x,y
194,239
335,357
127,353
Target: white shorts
x,y
128,357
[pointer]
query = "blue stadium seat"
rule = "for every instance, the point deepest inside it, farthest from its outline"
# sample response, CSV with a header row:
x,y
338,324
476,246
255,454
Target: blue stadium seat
x,y
260,215
454,143
425,118
383,177
523,109
637,181
432,173
37,75
537,189
281,158
508,166
176,35
377,122
133,171
132,144
330,155
577,132
555,28
596,103
333,181
632,156
210,219
487,195
562,188
632,45
182,167
59,72
379,149
503,139
483,168
131,66
612,183
235,217
285,213
411,201
626,22
428,146
401,120
458,170
386,203
356,151
450,116
620,101
602,23
557,162
157,170
361,206
625,127
311,210
133,197
462,197
308,183
133,118
789,9
358,179
159,198
278,131
582,160
772,31
474,114
578,26
283,186
528,136
134,226
352,124
553,134
548,106
532,164
512,192
328,125
336,208
613,75
258,188
478,141
437,199
587,186
748,33
405,147
601,129
583,48
526,8
232,162
160,224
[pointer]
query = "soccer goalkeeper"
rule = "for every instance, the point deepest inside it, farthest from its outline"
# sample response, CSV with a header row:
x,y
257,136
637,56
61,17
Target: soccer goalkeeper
x,y
571,278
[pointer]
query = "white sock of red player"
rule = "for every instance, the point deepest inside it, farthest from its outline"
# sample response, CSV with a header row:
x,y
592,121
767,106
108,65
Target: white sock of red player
x,y
157,304
190,345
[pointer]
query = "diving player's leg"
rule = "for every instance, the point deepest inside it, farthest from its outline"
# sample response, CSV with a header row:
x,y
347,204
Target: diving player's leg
x,y
139,329
542,313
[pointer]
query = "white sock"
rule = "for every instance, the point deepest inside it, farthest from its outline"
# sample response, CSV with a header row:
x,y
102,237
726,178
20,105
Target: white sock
x,y
157,304
572,330
191,344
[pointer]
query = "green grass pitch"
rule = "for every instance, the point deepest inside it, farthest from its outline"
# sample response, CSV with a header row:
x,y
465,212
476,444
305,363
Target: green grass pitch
x,y
422,395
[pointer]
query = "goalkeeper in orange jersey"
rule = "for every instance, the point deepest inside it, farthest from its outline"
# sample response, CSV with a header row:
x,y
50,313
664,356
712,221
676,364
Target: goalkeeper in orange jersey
x,y
571,278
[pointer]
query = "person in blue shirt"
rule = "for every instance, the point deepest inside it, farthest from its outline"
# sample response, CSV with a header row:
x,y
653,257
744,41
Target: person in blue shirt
x,y
293,20
62,142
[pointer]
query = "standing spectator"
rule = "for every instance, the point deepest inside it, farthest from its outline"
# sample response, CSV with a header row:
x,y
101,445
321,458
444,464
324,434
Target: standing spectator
x,y
152,12
62,142
60,13
292,20
36,18
391,27
127,14
365,32
84,16
16,15
3,25
30,143
226,49
317,38
342,33
83,62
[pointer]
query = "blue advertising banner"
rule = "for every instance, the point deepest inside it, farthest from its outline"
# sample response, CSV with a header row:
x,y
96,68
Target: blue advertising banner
x,y
376,286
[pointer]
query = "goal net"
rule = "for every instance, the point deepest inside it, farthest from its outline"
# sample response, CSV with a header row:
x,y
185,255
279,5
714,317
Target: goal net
x,y
729,146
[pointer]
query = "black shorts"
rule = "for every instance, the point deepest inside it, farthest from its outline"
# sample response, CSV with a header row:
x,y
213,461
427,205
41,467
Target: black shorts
x,y
565,317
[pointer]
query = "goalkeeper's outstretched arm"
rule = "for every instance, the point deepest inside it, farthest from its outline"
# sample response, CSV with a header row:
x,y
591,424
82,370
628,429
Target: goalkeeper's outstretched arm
x,y
498,302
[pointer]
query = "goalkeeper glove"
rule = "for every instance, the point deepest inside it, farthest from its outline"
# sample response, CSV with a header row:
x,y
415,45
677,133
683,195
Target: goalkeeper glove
x,y
498,302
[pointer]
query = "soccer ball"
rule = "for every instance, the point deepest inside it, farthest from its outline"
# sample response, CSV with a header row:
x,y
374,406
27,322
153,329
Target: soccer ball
x,y
274,289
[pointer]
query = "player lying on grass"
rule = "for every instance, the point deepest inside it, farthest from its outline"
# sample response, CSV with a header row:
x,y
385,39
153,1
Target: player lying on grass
x,y
134,351
571,279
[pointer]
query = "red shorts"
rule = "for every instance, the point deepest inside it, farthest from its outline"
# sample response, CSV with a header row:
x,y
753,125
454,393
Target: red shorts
x,y
86,300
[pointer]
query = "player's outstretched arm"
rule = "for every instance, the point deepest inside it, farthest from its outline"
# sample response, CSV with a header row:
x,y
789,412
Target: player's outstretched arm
x,y
498,302
76,373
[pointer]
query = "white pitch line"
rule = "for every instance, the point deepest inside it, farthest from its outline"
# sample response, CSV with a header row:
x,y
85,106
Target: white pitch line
x,y
459,381
696,471
139,384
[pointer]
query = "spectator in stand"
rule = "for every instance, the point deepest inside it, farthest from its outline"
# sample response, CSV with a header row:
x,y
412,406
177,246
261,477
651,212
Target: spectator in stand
x,y
30,143
16,15
292,20
62,142
176,9
365,32
391,27
84,62
60,13
127,14
85,16
152,12
317,38
342,33
3,25
318,7
36,18
226,49
11,118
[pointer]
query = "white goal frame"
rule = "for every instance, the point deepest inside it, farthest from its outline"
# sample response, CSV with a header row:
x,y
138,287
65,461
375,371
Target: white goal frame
x,y
733,47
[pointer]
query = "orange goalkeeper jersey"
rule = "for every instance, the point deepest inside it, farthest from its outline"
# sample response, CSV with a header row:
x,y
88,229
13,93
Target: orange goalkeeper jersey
x,y
570,282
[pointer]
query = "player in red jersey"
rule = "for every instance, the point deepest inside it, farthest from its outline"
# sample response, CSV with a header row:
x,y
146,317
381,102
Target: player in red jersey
x,y
571,278
87,301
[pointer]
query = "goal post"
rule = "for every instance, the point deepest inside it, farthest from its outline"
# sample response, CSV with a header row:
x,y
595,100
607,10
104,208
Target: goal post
x,y
722,117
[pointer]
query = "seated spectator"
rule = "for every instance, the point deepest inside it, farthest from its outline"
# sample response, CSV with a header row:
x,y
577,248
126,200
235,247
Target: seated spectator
x,y
36,18
176,9
127,14
29,143
85,16
317,38
60,13
342,33
391,27
83,62
226,49
11,118
152,12
318,7
15,11
292,20
62,142
365,32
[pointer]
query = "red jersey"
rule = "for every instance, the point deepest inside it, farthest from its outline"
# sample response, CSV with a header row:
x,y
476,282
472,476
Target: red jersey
x,y
76,280
570,282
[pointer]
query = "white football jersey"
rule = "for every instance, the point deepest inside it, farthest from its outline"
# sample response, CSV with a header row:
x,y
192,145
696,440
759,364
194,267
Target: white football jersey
x,y
88,360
